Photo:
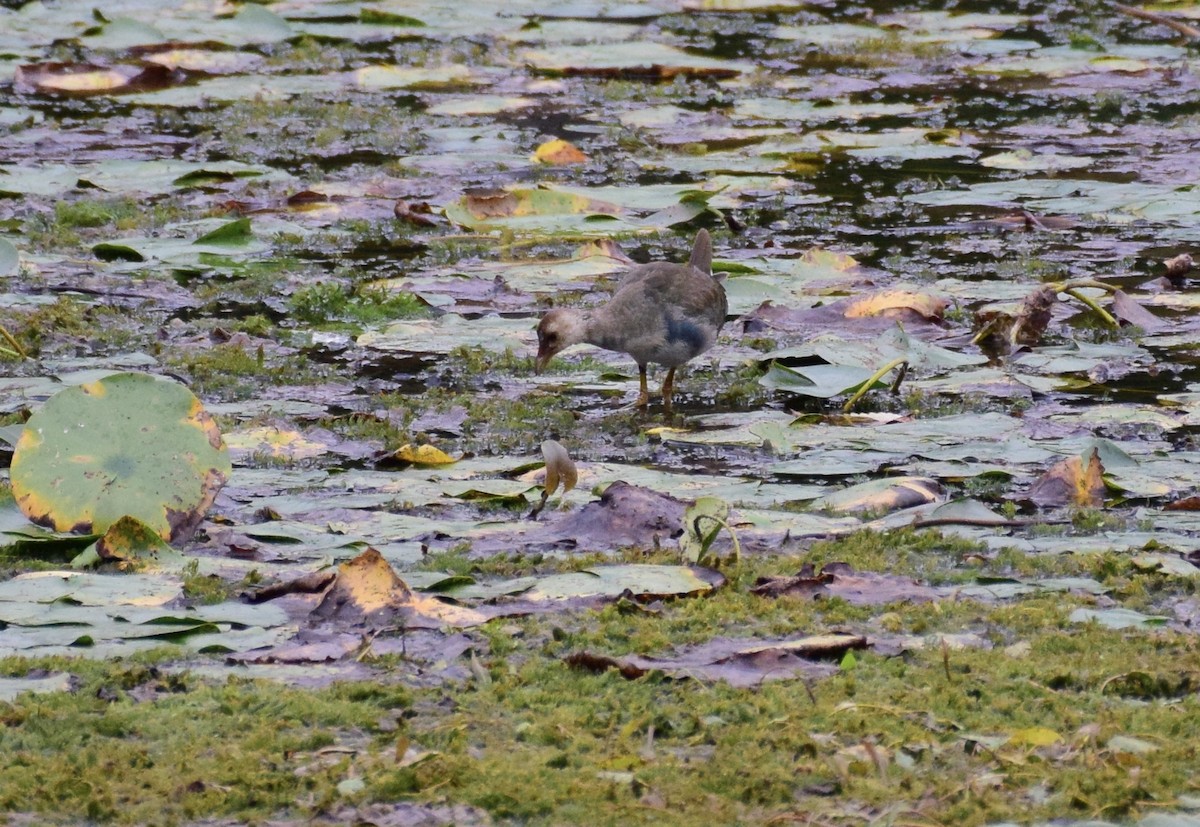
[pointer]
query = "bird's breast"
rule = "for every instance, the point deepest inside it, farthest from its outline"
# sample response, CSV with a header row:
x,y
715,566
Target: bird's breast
x,y
685,335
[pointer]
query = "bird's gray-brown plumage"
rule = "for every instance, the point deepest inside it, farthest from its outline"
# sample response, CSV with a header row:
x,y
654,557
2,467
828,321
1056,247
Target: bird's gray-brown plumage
x,y
662,312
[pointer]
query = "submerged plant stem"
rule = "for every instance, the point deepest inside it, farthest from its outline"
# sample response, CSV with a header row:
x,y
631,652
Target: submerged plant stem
x,y
17,349
1107,317
879,374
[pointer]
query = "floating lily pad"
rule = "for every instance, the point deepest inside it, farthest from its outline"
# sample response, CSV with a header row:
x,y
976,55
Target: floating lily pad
x,y
9,258
10,688
129,444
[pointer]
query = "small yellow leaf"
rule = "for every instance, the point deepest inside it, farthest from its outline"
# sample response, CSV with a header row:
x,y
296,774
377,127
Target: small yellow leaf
x,y
660,430
827,258
99,80
889,302
424,455
559,153
1038,736
281,443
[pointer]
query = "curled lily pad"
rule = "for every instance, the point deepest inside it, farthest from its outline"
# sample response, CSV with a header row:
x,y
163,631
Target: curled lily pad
x,y
131,544
558,467
129,444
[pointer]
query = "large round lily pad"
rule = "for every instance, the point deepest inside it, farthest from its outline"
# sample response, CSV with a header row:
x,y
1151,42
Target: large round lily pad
x,y
128,444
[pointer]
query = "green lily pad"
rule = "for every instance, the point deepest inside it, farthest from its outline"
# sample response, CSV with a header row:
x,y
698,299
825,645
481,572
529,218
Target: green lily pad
x,y
9,258
821,381
702,523
129,444
129,541
1117,618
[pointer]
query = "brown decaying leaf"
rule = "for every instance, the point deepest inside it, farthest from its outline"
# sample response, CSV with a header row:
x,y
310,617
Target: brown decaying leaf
x,y
1179,266
418,213
659,71
306,198
838,579
1029,323
310,583
739,662
367,591
1069,483
626,515
1034,316
1191,503
1128,310
1025,220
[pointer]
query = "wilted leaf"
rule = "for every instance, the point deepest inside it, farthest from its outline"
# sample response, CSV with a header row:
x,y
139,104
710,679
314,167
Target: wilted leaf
x,y
1028,323
131,542
1128,310
1178,266
1070,482
739,662
128,444
367,591
559,152
840,580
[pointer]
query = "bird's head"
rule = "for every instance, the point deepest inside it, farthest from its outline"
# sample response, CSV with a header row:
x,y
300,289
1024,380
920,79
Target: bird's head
x,y
558,329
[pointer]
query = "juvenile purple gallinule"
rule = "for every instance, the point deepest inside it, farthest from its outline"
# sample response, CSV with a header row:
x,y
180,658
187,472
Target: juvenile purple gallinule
x,y
662,312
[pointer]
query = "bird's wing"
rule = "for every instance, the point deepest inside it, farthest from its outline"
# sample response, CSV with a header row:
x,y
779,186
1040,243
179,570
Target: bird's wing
x,y
694,295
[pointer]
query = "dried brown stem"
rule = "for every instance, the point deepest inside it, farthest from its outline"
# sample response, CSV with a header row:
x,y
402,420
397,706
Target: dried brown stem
x,y
1161,19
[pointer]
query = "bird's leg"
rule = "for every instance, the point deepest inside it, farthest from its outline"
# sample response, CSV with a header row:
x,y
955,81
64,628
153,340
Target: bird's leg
x,y
668,389
644,396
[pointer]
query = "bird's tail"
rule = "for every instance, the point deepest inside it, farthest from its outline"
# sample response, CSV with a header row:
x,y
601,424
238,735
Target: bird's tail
x,y
702,253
